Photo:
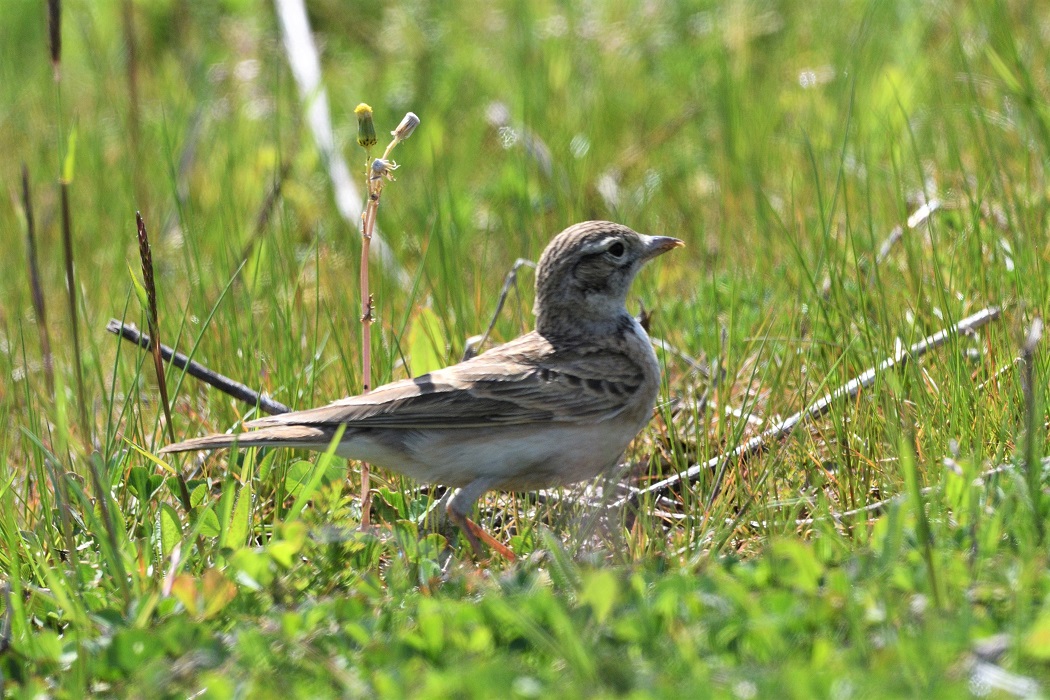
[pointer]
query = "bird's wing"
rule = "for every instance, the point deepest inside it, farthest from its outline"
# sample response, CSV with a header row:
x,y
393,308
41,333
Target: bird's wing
x,y
525,381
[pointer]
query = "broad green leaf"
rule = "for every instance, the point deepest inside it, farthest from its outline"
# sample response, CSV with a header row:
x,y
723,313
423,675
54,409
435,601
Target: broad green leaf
x,y
322,465
297,476
46,645
1036,643
600,591
292,537
300,473
209,524
237,533
217,590
266,465
170,528
225,509
184,588
138,482
254,568
132,648
198,496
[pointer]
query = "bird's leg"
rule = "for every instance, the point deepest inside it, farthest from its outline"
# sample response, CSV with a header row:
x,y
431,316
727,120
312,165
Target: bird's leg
x,y
460,504
436,515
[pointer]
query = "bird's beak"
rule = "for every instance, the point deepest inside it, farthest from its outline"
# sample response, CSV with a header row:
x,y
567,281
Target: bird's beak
x,y
658,245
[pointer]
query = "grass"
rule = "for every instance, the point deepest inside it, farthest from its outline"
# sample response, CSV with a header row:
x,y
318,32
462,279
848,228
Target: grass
x,y
782,141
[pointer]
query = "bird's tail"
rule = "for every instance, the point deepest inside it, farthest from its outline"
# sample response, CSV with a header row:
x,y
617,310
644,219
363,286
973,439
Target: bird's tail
x,y
306,436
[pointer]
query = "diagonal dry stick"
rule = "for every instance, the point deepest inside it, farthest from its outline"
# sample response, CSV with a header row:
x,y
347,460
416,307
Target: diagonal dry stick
x,y
914,221
239,391
760,443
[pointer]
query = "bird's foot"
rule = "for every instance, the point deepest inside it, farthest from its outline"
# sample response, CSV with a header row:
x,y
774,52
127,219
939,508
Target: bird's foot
x,y
475,534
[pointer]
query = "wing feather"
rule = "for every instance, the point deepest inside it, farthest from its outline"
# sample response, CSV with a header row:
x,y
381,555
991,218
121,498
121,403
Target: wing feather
x,y
525,381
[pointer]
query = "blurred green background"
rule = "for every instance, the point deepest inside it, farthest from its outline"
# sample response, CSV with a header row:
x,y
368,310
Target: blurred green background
x,y
783,141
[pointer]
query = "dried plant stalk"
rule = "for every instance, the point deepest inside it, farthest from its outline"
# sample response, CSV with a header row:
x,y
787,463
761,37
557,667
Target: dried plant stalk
x,y
34,284
54,28
377,173
71,288
149,282
1032,420
146,257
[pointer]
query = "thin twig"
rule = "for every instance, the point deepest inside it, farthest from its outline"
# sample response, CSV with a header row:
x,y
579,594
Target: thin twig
x,y
921,214
851,389
228,386
377,173
474,344
996,375
35,286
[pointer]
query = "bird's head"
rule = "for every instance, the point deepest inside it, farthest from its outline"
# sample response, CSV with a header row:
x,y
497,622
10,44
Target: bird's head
x,y
585,273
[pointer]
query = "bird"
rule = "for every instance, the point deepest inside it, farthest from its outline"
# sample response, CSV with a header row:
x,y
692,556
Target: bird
x,y
555,406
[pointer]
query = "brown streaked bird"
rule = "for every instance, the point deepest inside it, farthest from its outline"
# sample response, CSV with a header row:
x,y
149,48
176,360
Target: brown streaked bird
x,y
555,406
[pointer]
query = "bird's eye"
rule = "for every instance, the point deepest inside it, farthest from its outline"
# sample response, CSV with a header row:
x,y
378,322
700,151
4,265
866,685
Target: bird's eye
x,y
616,249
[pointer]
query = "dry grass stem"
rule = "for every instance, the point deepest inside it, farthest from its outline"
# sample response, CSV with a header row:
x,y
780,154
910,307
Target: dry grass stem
x,y
1033,467
132,77
71,288
377,173
148,280
153,342
34,284
54,30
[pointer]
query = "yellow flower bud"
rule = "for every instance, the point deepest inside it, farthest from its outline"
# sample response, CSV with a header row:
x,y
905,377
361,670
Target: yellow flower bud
x,y
366,130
